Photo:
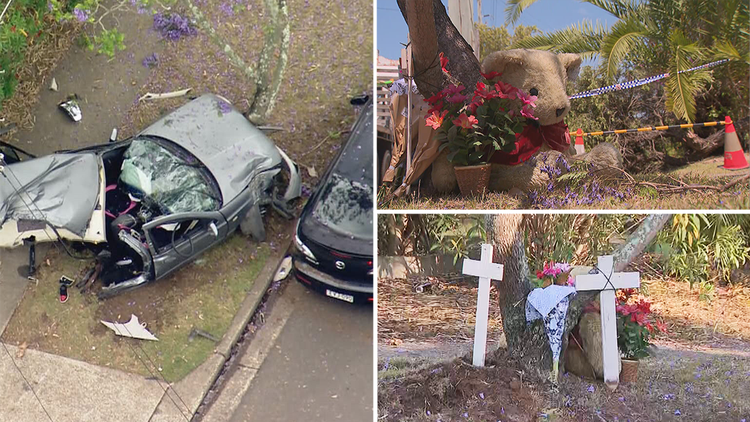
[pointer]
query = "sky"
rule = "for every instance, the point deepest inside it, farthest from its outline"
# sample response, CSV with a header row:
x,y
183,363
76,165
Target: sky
x,y
547,15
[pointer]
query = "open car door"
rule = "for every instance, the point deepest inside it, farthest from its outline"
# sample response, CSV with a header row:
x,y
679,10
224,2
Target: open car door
x,y
175,240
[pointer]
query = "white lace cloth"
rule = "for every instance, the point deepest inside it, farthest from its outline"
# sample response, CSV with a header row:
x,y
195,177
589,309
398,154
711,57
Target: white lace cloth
x,y
540,302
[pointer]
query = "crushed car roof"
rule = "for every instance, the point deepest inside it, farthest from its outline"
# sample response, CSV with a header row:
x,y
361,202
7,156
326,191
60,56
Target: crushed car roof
x,y
218,135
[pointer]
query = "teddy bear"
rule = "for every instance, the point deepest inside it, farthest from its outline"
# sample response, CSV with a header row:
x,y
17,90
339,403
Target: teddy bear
x,y
583,356
543,74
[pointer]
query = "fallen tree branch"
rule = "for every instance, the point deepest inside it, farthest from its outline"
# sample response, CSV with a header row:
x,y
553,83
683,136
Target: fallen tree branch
x,y
667,188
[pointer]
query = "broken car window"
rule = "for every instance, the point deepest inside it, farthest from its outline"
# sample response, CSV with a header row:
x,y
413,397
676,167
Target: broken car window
x,y
171,182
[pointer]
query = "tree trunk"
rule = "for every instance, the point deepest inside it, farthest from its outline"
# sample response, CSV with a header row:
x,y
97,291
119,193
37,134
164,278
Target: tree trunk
x,y
528,342
431,32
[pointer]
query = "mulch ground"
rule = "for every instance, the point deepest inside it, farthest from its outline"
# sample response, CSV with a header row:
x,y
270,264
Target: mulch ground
x,y
444,311
700,370
456,390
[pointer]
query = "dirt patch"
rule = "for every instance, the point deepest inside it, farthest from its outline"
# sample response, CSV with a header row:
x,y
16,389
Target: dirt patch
x,y
445,311
456,390
717,322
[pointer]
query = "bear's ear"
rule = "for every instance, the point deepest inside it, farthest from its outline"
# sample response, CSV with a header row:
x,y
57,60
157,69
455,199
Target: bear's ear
x,y
499,60
571,63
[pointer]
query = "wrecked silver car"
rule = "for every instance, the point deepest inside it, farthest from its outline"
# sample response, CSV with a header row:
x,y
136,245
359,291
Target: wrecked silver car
x,y
155,201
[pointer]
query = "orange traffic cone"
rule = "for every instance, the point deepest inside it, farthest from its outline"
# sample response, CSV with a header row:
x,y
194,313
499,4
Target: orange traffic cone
x,y
734,156
580,149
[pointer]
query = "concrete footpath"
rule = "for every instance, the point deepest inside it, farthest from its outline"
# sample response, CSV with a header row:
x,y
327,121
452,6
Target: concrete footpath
x,y
71,390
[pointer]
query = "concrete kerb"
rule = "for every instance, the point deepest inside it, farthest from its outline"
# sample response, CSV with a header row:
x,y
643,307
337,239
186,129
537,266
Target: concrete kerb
x,y
193,388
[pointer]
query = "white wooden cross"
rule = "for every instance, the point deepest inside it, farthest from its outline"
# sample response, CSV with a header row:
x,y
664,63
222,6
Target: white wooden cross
x,y
598,281
486,270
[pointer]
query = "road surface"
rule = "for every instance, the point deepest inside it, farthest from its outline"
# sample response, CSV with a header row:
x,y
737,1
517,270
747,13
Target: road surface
x,y
311,361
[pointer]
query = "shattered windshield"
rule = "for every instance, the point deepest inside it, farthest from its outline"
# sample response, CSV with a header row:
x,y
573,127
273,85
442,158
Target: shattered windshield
x,y
170,178
346,205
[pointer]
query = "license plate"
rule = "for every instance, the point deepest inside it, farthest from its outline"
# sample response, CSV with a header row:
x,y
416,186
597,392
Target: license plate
x,y
340,296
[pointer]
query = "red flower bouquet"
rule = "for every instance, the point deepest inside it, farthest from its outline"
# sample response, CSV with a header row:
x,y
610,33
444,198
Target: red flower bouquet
x,y
634,325
488,123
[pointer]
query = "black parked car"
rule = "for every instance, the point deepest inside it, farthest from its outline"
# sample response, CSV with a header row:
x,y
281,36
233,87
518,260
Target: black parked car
x,y
334,246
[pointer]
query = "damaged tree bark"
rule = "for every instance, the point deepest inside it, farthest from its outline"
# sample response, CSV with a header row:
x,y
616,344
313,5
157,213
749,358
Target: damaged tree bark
x,y
528,342
431,32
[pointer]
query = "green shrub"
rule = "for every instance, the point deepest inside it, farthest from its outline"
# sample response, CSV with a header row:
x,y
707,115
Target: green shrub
x,y
21,24
699,248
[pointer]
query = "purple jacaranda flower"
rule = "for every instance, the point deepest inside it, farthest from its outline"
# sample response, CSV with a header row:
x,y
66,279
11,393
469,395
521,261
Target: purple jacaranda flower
x,y
151,61
677,412
481,395
669,396
80,14
49,6
173,26
227,9
590,389
224,107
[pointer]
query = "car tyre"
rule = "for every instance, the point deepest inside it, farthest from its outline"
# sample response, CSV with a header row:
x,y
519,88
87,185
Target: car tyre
x,y
252,224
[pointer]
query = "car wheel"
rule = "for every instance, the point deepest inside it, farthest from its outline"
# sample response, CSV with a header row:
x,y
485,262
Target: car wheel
x,y
252,224
384,164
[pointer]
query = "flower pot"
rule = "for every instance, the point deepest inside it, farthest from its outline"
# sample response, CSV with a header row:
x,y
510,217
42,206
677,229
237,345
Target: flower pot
x,y
473,180
629,371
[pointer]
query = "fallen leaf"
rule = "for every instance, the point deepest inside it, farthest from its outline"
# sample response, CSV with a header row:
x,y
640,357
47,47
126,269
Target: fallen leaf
x,y
312,172
21,350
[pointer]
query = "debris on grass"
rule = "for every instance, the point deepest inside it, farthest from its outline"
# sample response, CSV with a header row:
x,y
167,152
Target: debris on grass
x,y
71,108
164,95
132,328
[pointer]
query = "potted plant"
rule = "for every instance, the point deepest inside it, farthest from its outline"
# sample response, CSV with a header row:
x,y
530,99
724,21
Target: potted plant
x,y
473,131
634,330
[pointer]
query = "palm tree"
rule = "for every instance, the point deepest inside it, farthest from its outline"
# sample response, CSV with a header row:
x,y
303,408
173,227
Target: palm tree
x,y
657,36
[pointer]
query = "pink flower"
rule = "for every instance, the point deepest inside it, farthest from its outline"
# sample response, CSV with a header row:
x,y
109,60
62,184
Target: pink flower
x,y
453,89
443,63
458,98
435,107
507,89
526,112
435,98
527,99
490,76
435,120
465,121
